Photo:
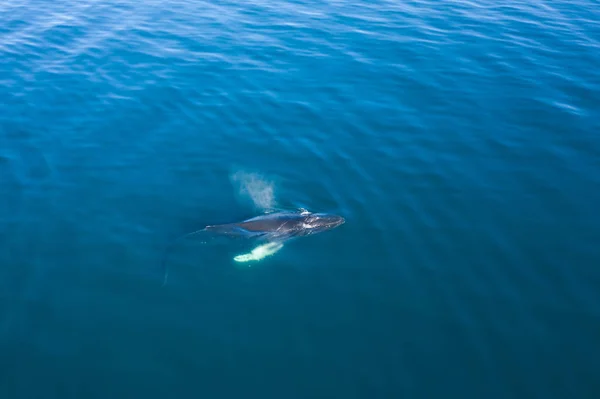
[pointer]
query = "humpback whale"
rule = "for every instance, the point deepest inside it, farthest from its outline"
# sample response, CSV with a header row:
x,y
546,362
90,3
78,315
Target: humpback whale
x,y
274,228
280,225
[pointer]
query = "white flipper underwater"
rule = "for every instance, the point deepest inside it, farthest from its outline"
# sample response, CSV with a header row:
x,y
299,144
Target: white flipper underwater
x,y
260,252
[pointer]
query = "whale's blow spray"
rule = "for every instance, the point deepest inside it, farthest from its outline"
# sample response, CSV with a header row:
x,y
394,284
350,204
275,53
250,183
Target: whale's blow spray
x,y
256,188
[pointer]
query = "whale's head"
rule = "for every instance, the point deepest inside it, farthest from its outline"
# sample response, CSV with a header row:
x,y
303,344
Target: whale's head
x,y
318,222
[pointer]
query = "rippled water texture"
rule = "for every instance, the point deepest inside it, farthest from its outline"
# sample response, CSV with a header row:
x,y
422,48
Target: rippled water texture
x,y
460,140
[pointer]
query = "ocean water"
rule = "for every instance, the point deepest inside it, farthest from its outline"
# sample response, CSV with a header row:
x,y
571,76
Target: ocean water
x,y
459,139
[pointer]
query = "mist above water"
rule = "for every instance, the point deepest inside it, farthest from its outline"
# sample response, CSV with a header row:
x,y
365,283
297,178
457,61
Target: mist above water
x,y
255,188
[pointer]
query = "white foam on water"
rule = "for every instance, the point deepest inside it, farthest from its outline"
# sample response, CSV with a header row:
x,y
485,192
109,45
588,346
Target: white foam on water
x,y
256,188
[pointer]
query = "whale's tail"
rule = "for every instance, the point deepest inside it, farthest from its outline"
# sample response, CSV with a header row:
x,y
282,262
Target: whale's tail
x,y
228,231
228,228
170,247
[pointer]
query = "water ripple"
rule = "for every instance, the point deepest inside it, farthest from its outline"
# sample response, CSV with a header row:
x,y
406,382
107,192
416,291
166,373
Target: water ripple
x,y
459,139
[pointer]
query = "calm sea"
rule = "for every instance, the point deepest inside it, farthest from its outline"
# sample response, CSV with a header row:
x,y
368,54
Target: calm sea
x,y
459,139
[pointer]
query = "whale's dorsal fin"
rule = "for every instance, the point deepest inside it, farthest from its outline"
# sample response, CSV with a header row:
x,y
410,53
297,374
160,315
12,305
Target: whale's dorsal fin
x,y
304,211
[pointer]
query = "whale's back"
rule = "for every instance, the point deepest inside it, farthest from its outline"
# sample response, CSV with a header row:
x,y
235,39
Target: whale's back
x,y
271,223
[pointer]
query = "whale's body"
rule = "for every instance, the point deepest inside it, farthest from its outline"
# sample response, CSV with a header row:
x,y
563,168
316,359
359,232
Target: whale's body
x,y
273,229
280,226
276,228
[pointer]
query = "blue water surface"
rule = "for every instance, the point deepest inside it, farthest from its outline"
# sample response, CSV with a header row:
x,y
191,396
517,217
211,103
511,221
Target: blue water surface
x,y
459,139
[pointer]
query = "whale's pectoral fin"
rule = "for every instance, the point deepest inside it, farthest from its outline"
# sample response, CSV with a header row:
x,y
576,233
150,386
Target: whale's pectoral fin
x,y
260,252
